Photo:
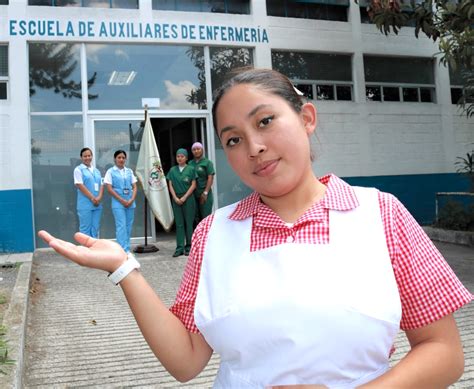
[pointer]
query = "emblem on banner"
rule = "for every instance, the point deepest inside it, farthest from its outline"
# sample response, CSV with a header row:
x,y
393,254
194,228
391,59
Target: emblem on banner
x,y
156,179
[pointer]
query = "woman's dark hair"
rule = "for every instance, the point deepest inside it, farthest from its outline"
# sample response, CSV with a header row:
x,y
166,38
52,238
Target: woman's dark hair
x,y
267,80
120,152
84,150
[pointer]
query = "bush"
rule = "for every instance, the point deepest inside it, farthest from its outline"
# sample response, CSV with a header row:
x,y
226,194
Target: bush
x,y
456,216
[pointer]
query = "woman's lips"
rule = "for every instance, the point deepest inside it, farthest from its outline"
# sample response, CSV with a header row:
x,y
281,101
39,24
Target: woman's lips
x,y
266,168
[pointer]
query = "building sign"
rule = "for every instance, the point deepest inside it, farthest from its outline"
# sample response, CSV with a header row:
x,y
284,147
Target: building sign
x,y
40,28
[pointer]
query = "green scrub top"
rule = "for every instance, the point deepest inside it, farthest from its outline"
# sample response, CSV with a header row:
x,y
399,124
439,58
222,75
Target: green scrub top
x,y
181,180
204,168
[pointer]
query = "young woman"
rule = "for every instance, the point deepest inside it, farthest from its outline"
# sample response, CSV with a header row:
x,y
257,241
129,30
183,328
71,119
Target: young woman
x,y
182,183
205,177
88,182
304,282
121,184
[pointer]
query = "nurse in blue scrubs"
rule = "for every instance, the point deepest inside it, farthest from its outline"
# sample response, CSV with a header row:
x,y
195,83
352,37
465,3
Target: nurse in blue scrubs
x,y
121,184
90,190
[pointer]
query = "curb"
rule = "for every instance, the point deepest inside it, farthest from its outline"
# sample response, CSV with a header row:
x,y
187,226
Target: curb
x,y
15,323
465,238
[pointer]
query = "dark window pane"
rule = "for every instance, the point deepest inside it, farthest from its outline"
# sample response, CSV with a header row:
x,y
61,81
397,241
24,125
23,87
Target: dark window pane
x,y
313,66
3,90
296,11
307,90
391,94
276,8
364,16
67,3
96,3
127,4
40,2
344,92
456,94
188,5
164,5
427,95
325,92
3,61
3,2
410,94
238,7
398,69
217,6
372,93
327,12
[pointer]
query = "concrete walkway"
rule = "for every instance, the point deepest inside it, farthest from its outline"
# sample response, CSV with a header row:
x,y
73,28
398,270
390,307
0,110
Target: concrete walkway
x,y
80,332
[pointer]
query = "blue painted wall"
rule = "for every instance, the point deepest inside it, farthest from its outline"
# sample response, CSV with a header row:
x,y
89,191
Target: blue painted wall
x,y
417,191
16,221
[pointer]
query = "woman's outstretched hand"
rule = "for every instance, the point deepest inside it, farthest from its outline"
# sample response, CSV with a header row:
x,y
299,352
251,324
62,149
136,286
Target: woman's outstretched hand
x,y
100,254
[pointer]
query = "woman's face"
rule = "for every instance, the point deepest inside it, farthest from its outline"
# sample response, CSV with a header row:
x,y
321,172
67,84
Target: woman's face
x,y
120,160
197,152
181,159
266,142
86,157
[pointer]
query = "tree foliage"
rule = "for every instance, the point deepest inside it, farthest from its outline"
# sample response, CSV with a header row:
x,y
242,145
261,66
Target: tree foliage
x,y
450,22
51,67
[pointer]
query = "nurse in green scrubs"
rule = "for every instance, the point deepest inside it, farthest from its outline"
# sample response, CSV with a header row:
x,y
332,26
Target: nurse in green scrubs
x,y
182,183
205,177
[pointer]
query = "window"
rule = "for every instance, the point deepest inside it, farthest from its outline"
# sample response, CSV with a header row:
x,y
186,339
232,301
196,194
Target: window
x,y
218,6
458,79
399,79
129,4
407,8
309,9
318,76
3,72
3,2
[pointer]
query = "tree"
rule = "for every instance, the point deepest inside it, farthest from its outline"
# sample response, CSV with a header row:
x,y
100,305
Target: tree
x,y
51,66
450,22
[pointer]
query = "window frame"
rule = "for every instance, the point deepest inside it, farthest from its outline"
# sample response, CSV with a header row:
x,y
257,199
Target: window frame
x,y
5,79
400,87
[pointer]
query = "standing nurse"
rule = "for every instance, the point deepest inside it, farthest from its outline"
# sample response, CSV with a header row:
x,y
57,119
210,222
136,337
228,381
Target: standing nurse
x,y
205,177
182,183
89,194
121,184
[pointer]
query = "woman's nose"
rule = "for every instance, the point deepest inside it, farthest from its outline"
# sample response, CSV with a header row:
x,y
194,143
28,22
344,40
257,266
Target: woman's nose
x,y
256,148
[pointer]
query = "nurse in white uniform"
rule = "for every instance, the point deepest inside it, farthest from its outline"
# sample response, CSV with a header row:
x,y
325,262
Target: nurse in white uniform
x,y
304,283
90,190
121,184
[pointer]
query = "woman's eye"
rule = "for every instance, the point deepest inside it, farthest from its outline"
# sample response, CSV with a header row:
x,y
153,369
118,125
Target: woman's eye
x,y
265,121
232,141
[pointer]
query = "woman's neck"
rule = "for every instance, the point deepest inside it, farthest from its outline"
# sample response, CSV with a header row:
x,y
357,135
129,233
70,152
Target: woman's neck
x,y
291,206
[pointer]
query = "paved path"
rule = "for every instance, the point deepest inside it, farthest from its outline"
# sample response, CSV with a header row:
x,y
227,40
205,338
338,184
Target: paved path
x,y
80,332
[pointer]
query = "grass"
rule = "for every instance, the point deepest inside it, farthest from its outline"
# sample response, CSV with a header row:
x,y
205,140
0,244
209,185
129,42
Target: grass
x,y
4,359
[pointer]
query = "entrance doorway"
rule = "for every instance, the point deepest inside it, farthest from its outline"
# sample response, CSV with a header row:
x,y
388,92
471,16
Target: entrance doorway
x,y
172,134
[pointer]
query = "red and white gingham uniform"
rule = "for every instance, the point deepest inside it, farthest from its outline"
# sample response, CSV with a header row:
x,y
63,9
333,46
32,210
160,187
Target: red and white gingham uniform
x,y
429,290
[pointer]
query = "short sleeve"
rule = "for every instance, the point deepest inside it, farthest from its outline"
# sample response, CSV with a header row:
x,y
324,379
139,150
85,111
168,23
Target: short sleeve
x,y
429,289
210,168
108,177
78,176
183,307
134,177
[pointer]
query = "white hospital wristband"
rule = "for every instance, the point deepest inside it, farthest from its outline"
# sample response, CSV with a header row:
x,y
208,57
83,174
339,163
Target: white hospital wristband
x,y
125,269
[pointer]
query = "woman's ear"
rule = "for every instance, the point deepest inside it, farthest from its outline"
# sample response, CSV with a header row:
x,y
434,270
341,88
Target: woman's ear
x,y
310,117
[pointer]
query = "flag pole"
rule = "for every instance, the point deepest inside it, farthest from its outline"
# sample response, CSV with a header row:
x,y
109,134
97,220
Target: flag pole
x,y
146,248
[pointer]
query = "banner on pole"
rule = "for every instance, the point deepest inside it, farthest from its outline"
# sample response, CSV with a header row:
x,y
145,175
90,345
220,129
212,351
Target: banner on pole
x,y
150,174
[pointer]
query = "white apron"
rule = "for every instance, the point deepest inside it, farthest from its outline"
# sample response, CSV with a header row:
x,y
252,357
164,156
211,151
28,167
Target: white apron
x,y
300,313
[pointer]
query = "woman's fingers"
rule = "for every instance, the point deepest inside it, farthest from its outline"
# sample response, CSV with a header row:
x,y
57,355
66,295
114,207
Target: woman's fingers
x,y
46,236
84,239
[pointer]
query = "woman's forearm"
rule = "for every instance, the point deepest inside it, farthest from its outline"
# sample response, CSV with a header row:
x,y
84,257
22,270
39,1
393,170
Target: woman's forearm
x,y
183,354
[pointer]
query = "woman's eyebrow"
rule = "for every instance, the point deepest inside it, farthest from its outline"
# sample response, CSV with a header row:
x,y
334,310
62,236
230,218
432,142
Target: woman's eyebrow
x,y
249,115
